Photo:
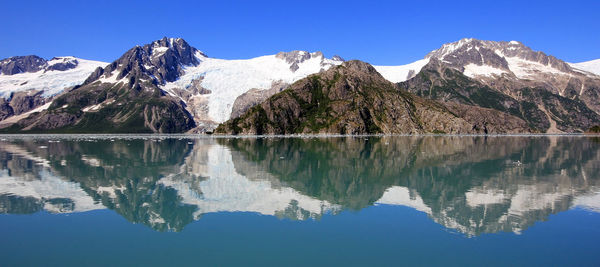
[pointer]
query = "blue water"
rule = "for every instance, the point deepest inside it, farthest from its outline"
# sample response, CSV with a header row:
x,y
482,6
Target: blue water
x,y
384,201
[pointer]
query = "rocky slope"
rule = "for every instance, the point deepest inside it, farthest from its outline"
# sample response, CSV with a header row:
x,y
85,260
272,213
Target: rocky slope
x,y
548,93
354,98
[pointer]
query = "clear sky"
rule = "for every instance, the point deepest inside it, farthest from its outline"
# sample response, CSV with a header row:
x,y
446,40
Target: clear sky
x,y
379,32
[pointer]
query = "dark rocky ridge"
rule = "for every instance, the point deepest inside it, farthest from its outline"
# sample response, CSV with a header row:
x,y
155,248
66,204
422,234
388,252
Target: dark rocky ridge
x,y
32,63
21,64
64,64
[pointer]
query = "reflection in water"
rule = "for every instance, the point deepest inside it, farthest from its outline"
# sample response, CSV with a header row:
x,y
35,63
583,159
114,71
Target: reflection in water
x,y
472,184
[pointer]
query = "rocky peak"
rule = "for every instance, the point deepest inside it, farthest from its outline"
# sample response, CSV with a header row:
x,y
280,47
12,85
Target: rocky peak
x,y
21,64
495,54
337,58
62,63
160,61
297,56
357,66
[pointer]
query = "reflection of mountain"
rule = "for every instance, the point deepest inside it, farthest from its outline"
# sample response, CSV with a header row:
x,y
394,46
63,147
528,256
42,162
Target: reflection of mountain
x,y
165,184
472,184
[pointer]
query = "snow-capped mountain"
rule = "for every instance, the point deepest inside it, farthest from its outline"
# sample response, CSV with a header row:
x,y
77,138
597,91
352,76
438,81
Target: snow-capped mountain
x,y
592,66
549,94
208,86
27,83
51,77
480,58
159,62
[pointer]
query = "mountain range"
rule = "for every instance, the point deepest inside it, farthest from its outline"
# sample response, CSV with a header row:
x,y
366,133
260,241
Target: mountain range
x,y
168,86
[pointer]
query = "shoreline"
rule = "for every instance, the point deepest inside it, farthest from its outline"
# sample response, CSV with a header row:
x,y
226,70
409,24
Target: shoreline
x,y
4,137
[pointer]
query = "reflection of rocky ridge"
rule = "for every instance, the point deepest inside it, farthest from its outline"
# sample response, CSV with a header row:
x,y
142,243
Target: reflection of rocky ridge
x,y
472,184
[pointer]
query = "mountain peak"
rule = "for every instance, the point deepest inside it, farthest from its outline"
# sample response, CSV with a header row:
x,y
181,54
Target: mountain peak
x,y
296,57
20,64
160,61
502,56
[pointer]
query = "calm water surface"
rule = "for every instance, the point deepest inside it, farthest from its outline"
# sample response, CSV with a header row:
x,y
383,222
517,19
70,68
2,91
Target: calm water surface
x,y
429,200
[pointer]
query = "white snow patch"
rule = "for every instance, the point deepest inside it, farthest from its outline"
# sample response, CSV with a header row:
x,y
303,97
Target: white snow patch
x,y
401,73
473,70
592,66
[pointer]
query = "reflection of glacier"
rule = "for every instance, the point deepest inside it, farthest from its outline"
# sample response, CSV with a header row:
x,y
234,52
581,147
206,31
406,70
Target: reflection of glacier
x,y
472,184
226,190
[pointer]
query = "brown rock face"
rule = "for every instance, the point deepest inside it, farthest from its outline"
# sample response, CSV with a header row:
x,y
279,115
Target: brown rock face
x,y
354,98
254,97
22,102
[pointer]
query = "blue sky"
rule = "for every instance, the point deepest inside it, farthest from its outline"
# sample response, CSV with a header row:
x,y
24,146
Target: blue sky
x,y
379,32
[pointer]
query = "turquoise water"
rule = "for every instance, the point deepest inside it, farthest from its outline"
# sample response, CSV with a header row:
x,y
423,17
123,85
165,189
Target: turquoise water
x,y
383,201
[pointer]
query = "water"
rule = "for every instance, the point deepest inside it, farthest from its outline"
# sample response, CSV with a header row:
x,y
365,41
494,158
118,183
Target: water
x,y
429,200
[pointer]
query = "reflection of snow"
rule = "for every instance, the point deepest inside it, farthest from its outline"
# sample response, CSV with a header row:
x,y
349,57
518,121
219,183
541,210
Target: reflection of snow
x,y
477,198
588,202
397,195
47,187
226,190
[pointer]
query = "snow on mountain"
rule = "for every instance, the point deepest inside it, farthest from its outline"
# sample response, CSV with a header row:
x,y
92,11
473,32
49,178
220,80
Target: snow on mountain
x,y
592,66
228,79
51,79
401,73
479,58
